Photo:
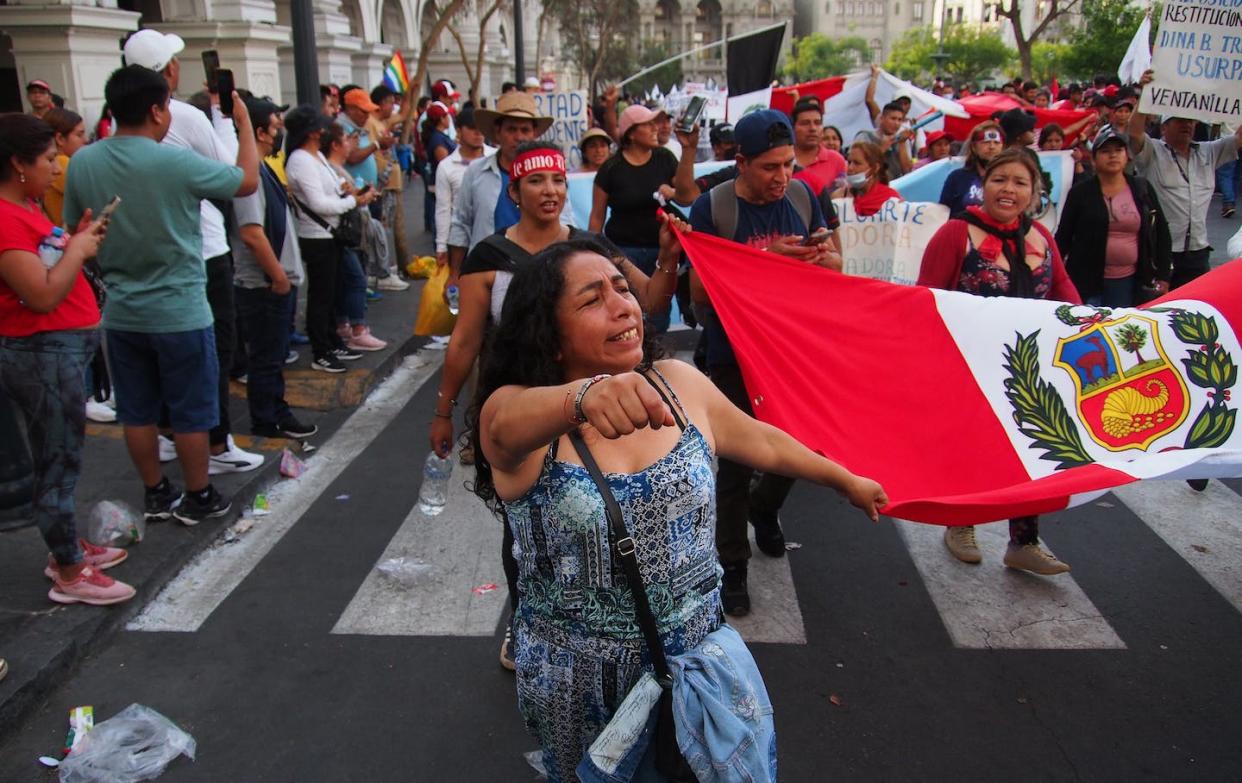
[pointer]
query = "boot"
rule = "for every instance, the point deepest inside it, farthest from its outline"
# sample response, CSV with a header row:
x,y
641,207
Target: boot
x,y
733,593
1033,558
962,544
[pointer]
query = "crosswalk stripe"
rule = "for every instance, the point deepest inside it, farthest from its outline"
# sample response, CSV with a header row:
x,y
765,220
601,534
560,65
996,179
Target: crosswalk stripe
x,y
988,606
188,600
459,552
776,617
1205,528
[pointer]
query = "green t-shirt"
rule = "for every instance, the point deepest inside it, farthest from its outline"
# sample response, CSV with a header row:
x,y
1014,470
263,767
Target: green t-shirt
x,y
151,260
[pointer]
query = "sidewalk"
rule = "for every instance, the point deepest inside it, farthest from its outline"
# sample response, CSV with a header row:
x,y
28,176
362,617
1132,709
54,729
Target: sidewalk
x,y
44,641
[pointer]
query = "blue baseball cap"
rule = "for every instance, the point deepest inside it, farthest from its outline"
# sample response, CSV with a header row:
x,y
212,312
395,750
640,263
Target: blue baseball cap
x,y
762,130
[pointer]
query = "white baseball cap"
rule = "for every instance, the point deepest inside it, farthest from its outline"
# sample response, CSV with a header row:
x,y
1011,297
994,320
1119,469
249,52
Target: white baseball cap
x,y
152,49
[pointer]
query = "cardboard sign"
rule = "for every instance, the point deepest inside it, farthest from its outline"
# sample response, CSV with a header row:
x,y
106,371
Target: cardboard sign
x,y
889,244
570,113
1197,62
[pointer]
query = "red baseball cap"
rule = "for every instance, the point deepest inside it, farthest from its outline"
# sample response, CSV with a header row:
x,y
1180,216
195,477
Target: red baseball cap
x,y
444,89
936,136
38,84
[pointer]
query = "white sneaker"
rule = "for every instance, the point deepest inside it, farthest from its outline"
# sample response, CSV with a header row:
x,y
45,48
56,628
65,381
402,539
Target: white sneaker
x,y
233,460
168,449
391,283
97,411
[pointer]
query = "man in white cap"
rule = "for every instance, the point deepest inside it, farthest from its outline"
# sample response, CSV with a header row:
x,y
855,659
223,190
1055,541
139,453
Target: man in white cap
x,y
1183,172
190,129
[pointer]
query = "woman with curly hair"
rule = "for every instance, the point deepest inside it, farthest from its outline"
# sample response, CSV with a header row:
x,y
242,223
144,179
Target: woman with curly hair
x,y
571,355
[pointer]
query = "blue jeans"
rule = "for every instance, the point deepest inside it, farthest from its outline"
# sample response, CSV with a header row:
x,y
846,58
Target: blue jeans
x,y
264,318
351,289
1117,292
646,258
1227,181
42,374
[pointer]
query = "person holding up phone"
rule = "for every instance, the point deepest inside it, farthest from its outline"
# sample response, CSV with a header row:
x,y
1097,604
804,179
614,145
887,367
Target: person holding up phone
x,y
628,184
49,330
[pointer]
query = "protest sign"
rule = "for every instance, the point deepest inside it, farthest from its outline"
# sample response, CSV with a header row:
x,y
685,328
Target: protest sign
x,y
889,244
1197,63
570,113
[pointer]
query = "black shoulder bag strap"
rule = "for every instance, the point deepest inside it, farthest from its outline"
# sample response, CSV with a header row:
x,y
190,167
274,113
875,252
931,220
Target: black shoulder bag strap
x,y
325,225
669,760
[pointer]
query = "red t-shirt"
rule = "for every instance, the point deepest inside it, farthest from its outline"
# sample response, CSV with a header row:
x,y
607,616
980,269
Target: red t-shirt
x,y
23,228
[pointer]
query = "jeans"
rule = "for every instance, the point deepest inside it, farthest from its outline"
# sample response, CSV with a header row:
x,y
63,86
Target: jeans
x,y
265,319
42,374
351,288
1227,181
1189,265
646,258
223,311
321,257
734,497
1116,292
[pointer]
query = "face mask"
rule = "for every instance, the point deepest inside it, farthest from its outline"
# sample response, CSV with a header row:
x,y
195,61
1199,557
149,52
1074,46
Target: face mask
x,y
856,180
278,142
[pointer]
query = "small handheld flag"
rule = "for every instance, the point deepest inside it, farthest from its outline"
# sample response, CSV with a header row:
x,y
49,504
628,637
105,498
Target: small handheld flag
x,y
395,75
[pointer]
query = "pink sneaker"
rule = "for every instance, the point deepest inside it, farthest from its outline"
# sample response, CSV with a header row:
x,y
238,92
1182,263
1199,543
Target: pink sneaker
x,y
365,341
100,557
91,587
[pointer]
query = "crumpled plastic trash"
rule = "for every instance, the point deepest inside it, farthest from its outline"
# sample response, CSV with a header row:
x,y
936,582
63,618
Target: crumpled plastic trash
x,y
114,523
135,744
290,465
535,759
404,570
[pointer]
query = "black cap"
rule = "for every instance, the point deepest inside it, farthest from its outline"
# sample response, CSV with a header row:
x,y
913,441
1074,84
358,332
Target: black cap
x,y
260,110
1015,122
721,133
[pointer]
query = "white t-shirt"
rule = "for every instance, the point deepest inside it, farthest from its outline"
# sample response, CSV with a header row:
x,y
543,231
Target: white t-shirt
x,y
191,129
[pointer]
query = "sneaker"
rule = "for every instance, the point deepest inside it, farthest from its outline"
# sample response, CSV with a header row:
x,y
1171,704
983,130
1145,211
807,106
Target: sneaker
x,y
292,428
168,449
233,460
90,587
1034,558
297,338
161,503
1227,211
347,354
373,295
768,534
506,649
100,557
191,512
437,343
962,544
292,356
243,379
327,364
97,411
365,341
733,593
392,283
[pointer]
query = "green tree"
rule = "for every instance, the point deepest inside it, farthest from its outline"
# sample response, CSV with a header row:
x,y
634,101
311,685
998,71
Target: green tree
x,y
816,56
1101,42
1049,12
1048,60
1132,338
972,54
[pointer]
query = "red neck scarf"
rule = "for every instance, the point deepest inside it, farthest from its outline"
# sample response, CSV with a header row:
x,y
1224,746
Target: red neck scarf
x,y
1008,239
869,203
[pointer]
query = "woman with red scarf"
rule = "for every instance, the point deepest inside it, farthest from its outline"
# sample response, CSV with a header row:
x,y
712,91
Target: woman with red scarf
x,y
866,179
996,250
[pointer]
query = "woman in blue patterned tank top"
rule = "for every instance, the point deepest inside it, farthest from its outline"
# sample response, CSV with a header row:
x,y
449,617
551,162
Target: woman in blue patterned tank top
x,y
570,353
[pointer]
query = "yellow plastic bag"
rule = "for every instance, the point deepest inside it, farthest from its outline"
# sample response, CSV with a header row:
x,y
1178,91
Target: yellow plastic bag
x,y
421,266
434,317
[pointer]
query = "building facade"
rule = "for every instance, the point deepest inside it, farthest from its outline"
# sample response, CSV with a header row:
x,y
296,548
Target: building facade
x,y
74,45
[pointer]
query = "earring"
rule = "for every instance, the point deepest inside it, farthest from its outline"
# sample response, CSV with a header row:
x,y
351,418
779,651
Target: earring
x,y
21,178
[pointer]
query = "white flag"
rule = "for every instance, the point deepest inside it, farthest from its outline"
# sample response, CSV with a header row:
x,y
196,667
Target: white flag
x,y
1138,56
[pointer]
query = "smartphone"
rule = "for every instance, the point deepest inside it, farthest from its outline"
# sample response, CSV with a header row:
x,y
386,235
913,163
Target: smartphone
x,y
691,114
211,64
816,239
109,208
225,88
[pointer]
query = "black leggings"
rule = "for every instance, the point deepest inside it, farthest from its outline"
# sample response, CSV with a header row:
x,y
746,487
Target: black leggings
x,y
1024,530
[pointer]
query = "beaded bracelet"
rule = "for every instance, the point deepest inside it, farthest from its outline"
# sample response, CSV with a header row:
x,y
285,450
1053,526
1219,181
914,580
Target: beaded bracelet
x,y
579,416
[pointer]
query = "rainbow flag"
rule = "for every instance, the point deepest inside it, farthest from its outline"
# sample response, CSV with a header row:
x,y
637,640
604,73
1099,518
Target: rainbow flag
x,y
395,75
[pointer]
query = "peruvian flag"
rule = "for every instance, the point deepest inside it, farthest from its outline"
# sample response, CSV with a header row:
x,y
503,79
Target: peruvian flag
x,y
971,409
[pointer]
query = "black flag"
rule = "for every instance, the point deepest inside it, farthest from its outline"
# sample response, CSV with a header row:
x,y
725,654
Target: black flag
x,y
752,60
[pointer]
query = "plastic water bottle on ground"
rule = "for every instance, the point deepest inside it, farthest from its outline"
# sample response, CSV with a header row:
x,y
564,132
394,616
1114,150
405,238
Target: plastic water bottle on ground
x,y
454,299
434,492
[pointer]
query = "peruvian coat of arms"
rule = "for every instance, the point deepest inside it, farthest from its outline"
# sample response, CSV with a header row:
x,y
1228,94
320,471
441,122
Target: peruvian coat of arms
x,y
1129,391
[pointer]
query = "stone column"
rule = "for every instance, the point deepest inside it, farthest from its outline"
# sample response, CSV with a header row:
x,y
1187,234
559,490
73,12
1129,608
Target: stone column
x,y
250,49
368,64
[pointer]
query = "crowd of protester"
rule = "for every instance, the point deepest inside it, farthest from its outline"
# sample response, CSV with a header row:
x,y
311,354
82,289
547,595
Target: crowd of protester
x,y
225,214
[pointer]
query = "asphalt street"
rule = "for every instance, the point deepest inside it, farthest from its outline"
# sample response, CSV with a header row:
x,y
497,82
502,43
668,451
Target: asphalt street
x,y
288,656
